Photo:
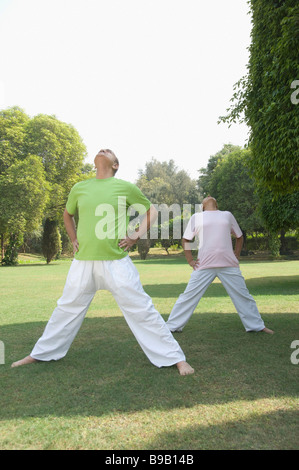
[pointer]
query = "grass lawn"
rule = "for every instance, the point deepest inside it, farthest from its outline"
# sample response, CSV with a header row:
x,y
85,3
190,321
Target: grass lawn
x,y
105,394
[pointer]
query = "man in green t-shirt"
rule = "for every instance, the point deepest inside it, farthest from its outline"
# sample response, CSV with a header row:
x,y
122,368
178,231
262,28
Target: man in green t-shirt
x,y
101,261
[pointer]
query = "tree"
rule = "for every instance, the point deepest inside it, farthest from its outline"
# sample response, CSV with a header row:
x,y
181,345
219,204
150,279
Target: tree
x,y
51,242
40,160
62,152
279,214
13,123
230,183
264,95
169,188
88,170
171,228
143,246
157,169
163,183
156,190
23,191
206,173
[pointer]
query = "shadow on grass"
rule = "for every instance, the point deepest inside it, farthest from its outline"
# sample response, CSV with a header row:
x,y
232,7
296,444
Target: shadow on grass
x,y
105,370
37,264
158,259
270,285
274,430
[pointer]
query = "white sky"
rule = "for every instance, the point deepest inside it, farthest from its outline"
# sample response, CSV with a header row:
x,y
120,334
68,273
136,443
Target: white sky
x,y
146,78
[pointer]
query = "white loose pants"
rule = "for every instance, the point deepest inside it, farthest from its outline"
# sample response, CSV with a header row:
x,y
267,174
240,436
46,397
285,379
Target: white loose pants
x,y
121,278
234,285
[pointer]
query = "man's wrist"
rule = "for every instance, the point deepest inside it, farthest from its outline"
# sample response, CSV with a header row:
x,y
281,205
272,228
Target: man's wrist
x,y
134,236
137,237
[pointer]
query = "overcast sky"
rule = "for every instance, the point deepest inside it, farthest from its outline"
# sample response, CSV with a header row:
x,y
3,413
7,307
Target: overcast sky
x,y
146,78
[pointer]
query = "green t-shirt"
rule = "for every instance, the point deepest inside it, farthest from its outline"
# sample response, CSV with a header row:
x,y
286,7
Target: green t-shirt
x,y
102,206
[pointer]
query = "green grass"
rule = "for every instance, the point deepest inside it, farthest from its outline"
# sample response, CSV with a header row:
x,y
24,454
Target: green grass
x,y
105,394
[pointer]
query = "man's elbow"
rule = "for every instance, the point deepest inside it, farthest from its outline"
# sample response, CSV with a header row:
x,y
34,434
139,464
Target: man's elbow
x,y
67,215
153,213
186,243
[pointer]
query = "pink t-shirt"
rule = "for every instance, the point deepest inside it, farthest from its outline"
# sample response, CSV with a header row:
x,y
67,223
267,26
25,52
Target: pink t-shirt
x,y
214,229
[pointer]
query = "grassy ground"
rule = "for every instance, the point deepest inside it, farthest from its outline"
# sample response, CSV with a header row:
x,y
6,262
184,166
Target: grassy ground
x,y
106,395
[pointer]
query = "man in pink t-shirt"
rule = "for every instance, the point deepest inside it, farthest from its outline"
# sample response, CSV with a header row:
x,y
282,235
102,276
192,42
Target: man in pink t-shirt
x,y
216,258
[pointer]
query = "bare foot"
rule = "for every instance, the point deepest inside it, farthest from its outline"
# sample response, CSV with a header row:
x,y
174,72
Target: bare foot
x,y
184,368
266,330
23,362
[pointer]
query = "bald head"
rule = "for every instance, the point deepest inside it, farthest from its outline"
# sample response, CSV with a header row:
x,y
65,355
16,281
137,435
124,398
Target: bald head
x,y
209,204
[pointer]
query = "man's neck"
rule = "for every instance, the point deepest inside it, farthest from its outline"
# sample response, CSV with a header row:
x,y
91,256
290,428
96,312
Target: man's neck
x,y
102,175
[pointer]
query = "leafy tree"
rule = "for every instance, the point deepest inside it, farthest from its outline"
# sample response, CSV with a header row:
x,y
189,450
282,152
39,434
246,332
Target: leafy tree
x,y
230,183
279,214
163,183
156,169
88,169
168,188
206,173
263,97
12,134
40,160
62,152
51,242
156,189
171,228
10,257
23,191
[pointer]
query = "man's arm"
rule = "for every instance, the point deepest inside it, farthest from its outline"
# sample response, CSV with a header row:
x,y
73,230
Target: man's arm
x,y
238,246
188,254
150,217
70,227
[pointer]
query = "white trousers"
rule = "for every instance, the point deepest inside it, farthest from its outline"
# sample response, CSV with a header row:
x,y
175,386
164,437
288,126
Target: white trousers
x,y
121,278
234,285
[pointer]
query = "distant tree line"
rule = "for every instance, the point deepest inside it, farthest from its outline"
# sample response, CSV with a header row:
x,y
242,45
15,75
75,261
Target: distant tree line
x,y
228,178
41,158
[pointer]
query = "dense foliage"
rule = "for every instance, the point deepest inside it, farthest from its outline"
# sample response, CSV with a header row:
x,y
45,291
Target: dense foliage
x,y
40,160
265,98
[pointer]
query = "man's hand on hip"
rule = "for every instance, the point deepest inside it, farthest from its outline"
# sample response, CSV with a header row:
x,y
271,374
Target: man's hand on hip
x,y
75,246
127,242
194,264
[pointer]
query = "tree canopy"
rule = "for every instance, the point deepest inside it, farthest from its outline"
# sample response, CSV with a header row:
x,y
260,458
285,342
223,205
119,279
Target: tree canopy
x,y
227,178
263,97
163,182
13,123
41,158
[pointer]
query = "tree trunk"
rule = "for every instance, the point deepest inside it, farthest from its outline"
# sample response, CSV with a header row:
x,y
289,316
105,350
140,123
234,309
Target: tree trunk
x,y
283,243
2,246
244,251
